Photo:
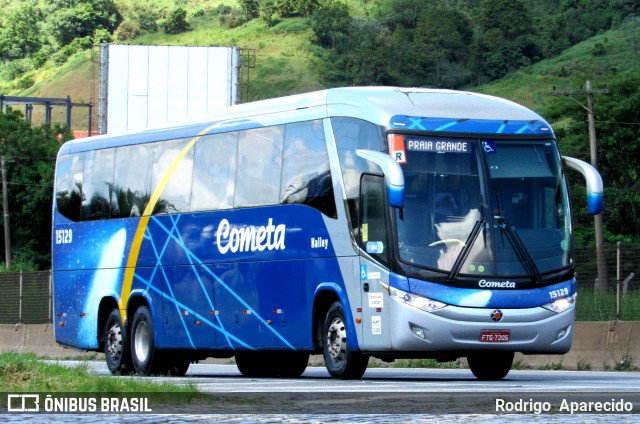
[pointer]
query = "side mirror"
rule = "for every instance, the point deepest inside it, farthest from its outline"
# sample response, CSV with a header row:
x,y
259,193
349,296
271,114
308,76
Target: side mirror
x,y
393,176
595,188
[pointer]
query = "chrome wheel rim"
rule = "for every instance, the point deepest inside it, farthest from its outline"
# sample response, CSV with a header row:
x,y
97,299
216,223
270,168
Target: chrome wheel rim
x,y
114,341
142,341
337,340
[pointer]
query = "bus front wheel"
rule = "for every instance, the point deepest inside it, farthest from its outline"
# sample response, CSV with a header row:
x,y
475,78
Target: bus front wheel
x,y
490,365
340,360
116,347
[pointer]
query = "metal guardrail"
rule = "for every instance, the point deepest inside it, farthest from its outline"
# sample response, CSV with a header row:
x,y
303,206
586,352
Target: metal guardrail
x,y
26,297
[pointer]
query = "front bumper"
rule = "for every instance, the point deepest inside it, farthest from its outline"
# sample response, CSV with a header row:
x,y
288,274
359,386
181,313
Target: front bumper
x,y
458,329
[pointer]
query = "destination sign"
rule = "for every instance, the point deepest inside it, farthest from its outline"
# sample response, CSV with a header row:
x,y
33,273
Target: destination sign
x,y
424,144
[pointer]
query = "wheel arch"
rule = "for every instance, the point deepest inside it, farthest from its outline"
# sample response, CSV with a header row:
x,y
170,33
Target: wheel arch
x,y
107,304
325,295
137,300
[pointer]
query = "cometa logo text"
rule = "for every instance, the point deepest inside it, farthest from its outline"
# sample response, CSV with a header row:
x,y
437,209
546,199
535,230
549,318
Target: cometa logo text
x,y
497,284
251,238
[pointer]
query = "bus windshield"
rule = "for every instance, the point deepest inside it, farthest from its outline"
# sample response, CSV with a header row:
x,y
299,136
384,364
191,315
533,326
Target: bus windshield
x,y
484,207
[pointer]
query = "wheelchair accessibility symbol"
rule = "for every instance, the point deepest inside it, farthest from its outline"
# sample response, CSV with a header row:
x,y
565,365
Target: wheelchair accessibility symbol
x,y
489,146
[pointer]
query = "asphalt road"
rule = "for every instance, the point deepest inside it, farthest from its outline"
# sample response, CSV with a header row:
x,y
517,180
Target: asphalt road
x,y
384,395
216,378
409,391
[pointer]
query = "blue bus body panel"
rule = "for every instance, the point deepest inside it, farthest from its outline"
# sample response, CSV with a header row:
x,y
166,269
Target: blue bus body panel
x,y
203,294
476,126
492,298
484,298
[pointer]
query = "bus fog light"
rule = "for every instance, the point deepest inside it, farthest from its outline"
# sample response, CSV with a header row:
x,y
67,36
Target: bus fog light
x,y
418,331
562,333
562,304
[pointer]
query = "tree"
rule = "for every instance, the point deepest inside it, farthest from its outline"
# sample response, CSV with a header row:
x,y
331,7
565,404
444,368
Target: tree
x,y
505,39
127,30
331,23
177,23
402,13
249,9
510,17
20,32
289,8
442,41
30,154
68,20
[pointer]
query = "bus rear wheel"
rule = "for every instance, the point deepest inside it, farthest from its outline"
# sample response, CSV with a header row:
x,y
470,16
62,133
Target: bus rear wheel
x,y
340,360
116,347
146,358
490,365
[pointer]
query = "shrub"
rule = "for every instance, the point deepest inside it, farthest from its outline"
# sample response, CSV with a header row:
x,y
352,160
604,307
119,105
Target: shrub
x,y
26,82
127,30
176,23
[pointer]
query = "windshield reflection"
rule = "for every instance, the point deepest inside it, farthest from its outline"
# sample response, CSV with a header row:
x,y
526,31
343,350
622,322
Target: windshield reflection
x,y
513,224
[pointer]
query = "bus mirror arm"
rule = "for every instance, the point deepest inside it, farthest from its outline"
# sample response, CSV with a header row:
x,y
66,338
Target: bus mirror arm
x,y
394,178
595,187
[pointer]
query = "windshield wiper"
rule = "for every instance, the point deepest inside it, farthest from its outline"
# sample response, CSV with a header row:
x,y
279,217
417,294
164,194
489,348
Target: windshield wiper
x,y
518,245
464,253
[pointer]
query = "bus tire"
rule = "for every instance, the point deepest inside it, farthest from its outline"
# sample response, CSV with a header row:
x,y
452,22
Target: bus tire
x,y
293,364
490,365
272,363
147,360
175,367
116,348
341,362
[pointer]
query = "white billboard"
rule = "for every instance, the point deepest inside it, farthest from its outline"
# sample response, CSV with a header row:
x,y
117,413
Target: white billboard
x,y
148,86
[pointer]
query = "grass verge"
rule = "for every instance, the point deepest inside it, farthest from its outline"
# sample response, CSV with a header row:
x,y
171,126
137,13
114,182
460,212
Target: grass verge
x,y
594,305
26,373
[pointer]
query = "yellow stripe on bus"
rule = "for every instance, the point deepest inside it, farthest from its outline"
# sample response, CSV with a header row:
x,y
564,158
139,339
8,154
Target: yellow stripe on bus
x,y
134,252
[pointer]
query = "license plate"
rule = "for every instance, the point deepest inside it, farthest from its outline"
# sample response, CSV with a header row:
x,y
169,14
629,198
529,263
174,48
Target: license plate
x,y
491,336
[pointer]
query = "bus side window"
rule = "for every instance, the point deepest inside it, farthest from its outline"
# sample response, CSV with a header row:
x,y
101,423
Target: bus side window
x,y
176,196
214,173
132,180
259,167
373,228
97,183
306,175
352,134
69,173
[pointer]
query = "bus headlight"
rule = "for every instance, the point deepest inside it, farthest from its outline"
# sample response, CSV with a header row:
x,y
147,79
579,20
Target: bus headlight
x,y
417,301
562,304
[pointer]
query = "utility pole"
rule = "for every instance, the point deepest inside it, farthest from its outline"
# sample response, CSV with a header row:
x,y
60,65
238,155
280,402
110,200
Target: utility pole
x,y
5,209
602,281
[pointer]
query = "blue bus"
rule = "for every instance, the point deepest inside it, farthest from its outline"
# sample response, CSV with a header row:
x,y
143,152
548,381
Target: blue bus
x,y
351,222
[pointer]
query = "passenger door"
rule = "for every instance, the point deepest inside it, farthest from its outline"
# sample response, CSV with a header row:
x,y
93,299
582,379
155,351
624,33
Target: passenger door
x,y
374,244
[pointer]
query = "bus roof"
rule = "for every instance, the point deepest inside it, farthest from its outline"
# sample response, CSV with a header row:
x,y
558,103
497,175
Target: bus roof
x,y
375,104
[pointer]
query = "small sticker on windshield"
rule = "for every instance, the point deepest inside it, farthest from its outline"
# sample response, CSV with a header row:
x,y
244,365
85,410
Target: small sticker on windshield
x,y
375,247
489,146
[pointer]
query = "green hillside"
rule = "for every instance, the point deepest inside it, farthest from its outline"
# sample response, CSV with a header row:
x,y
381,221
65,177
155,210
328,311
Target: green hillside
x,y
597,59
285,63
